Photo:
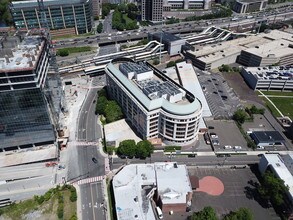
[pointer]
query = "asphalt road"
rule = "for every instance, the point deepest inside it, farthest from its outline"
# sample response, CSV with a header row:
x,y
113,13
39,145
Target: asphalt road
x,y
182,27
90,162
92,201
107,25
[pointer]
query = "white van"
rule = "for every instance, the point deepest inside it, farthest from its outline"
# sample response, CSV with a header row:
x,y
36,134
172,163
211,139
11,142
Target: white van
x,y
159,212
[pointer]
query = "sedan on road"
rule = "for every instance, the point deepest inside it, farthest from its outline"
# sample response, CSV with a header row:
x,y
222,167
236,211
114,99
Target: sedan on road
x,y
94,160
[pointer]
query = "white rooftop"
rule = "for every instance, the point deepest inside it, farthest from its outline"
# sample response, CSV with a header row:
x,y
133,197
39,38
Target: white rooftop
x,y
276,73
278,164
134,183
267,43
276,48
190,82
24,56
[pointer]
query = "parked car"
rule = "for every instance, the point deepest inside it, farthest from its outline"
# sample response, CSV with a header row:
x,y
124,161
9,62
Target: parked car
x,y
216,142
237,147
227,147
214,135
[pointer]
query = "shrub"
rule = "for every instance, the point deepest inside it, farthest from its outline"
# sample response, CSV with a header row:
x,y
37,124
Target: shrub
x,y
156,62
73,196
63,52
60,210
171,63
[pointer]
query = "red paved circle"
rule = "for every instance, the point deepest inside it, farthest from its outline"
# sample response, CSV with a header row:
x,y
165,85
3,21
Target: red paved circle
x,y
211,185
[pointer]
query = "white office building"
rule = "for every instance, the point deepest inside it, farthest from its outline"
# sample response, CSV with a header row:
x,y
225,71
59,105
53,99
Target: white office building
x,y
155,105
139,188
273,78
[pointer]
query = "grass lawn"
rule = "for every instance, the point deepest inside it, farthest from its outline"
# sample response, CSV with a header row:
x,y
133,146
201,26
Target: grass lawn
x,y
64,37
74,50
278,93
46,210
77,49
285,105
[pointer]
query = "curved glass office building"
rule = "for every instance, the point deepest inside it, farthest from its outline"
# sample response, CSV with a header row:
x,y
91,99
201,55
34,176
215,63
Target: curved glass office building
x,y
155,105
60,14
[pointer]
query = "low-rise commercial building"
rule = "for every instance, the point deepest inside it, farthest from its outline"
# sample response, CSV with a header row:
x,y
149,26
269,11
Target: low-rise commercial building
x,y
247,6
267,138
140,188
268,78
62,15
25,120
155,105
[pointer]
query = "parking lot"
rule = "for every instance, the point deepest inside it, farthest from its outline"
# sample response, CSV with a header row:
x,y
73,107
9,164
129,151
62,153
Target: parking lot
x,y
221,98
228,135
237,193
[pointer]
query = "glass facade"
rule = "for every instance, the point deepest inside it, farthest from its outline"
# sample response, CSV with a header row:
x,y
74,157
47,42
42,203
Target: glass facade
x,y
59,14
24,119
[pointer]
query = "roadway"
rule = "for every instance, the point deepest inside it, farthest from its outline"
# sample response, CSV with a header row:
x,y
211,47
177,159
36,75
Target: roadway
x,y
83,165
182,27
93,199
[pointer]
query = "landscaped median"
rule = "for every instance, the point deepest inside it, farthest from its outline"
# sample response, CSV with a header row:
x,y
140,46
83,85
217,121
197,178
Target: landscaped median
x,y
70,50
57,203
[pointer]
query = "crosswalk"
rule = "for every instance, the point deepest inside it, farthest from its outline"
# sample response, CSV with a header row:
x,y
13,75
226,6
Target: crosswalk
x,y
83,143
90,180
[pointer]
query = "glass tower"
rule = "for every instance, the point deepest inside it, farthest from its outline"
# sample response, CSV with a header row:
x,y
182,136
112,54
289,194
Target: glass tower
x,y
60,14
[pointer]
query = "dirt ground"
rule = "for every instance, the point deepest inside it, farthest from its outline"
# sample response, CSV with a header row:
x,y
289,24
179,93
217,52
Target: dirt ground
x,y
236,82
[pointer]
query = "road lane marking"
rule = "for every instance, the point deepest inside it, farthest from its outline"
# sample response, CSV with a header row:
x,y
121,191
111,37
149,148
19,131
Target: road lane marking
x,y
93,202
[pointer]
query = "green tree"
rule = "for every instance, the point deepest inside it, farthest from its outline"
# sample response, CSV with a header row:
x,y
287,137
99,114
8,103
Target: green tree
x,y
127,148
239,116
101,105
144,149
5,15
105,9
100,27
224,68
113,112
63,52
272,188
240,214
208,213
171,63
122,8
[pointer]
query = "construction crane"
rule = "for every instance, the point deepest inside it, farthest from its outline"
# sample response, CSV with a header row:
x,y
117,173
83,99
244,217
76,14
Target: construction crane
x,y
54,98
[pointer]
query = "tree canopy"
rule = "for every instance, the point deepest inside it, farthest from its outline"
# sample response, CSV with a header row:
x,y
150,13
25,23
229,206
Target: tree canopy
x,y
128,148
5,15
272,188
109,108
240,214
208,213
240,116
100,27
